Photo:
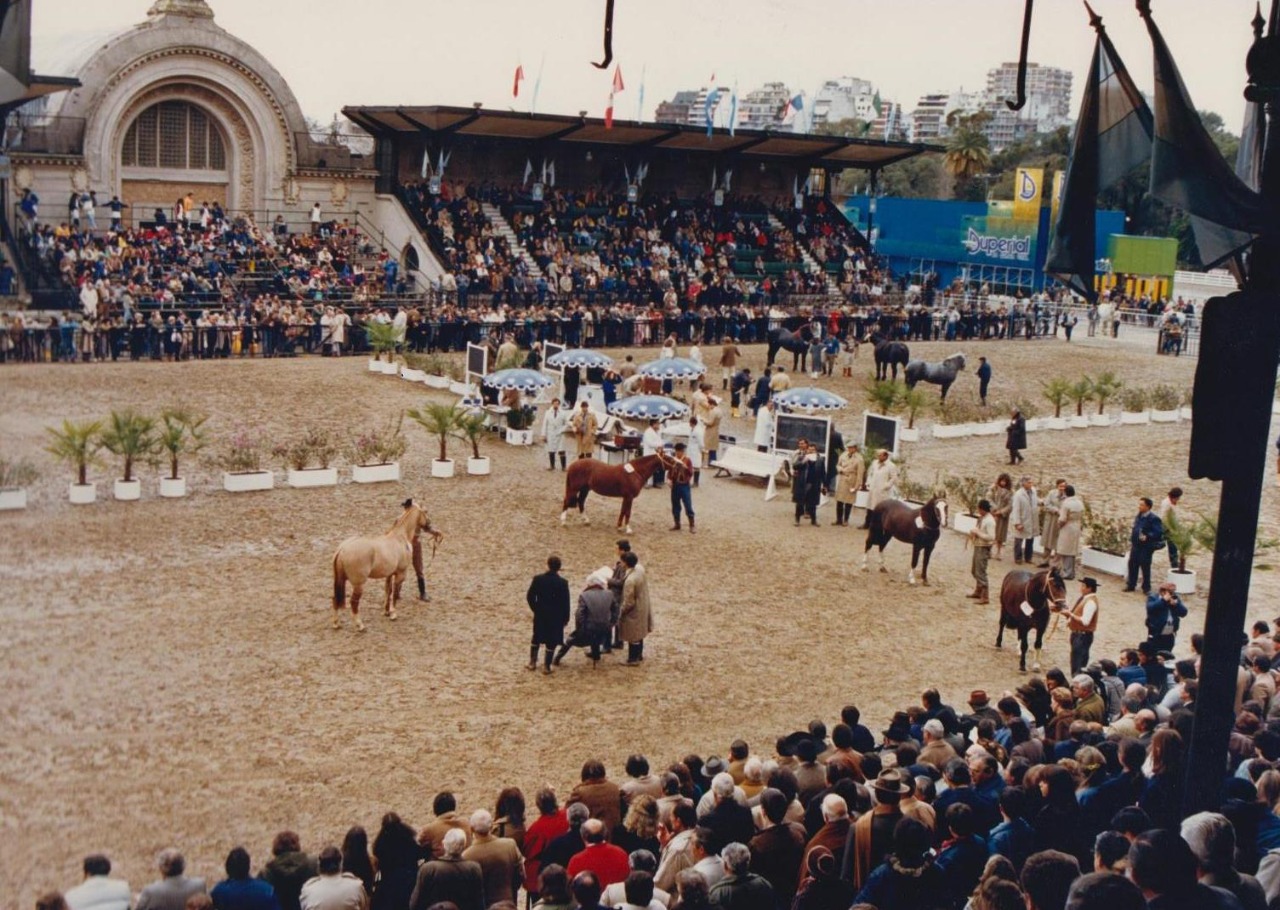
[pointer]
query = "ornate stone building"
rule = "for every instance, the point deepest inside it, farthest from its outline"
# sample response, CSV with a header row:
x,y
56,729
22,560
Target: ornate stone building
x,y
178,105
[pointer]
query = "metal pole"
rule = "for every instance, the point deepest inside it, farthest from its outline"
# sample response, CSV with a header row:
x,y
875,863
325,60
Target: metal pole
x,y
871,207
1237,512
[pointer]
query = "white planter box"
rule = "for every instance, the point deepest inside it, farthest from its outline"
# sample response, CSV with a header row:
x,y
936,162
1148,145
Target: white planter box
x,y
1055,423
81,494
909,434
412,375
1135,417
390,369
1104,562
171,488
1185,412
989,428
1101,420
1034,424
312,477
375,473
479,466
952,430
442,468
436,382
375,366
861,498
128,490
15,498
248,482
459,388
1079,423
519,437
1185,581
964,523
1164,416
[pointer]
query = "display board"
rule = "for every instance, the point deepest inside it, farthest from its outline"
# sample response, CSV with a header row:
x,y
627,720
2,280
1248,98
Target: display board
x,y
789,429
549,350
477,363
880,432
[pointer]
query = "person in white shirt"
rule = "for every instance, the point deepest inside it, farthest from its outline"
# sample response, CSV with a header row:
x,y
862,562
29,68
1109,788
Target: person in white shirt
x,y
333,889
553,427
650,443
97,891
764,426
706,863
694,446
315,218
982,537
1082,620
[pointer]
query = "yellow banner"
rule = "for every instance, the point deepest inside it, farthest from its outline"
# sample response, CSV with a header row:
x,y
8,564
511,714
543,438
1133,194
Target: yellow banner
x,y
1056,198
1028,187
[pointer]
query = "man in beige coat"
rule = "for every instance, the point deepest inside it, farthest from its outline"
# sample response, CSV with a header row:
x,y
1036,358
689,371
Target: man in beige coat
x,y
636,619
585,425
499,858
1070,520
850,471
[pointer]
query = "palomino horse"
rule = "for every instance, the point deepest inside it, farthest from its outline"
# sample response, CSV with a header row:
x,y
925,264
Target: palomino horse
x,y
360,559
1026,600
586,475
795,342
889,353
942,374
919,527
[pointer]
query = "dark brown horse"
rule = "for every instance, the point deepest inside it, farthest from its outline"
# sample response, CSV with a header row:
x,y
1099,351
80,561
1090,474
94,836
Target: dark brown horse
x,y
586,475
1026,600
888,354
919,527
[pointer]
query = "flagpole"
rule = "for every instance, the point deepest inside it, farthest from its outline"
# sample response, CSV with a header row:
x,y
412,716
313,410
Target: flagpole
x,y
537,84
1238,505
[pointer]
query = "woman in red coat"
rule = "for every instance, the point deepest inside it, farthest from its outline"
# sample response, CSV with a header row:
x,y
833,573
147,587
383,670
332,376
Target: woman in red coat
x,y
549,825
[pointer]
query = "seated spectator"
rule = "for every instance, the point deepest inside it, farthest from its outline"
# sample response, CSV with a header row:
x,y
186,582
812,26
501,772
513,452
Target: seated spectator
x,y
173,888
288,869
240,892
741,889
450,878
98,891
606,861
333,889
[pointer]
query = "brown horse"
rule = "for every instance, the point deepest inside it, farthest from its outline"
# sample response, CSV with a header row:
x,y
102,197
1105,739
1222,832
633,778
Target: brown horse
x,y
389,556
1026,600
919,527
586,475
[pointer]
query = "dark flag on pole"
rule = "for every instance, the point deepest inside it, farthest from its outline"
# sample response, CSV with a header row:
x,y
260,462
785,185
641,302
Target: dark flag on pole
x,y
1113,136
1188,171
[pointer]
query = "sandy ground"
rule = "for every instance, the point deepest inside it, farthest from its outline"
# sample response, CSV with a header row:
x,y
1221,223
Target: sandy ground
x,y
173,679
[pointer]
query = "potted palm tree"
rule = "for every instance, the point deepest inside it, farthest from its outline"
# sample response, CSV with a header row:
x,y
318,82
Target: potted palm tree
x,y
1080,393
77,444
1185,536
472,428
912,401
883,395
382,340
131,436
1105,387
181,433
15,477
375,454
1133,406
440,420
969,491
1164,404
1055,391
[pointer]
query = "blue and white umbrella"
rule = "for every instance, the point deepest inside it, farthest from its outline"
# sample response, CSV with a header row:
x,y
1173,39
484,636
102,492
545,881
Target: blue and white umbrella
x,y
648,407
520,379
810,398
673,368
580,357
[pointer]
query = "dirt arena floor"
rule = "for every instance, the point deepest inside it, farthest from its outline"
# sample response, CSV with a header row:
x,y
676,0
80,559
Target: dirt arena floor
x,y
173,679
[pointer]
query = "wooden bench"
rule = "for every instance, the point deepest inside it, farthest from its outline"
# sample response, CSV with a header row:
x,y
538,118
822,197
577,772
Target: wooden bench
x,y
742,460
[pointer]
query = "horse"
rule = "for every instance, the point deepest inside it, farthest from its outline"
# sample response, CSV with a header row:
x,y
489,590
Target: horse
x,y
389,556
889,353
795,342
919,527
942,374
586,475
1042,592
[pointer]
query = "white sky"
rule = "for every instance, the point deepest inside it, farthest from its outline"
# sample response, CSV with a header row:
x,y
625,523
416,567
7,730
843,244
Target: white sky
x,y
339,52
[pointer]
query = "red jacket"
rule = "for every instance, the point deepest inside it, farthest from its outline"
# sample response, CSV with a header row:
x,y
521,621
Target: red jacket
x,y
543,831
608,862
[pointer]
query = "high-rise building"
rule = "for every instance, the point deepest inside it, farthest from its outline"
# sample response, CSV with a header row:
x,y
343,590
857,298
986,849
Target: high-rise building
x,y
845,98
761,108
677,109
1048,90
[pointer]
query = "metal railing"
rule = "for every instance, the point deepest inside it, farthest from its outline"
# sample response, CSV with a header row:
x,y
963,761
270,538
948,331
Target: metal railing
x,y
42,134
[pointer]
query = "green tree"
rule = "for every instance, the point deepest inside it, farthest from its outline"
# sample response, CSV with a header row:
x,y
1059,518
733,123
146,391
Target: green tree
x,y
922,177
968,150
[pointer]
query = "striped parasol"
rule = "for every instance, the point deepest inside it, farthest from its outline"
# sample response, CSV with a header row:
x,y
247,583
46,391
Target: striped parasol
x,y
673,368
580,357
520,379
810,398
648,407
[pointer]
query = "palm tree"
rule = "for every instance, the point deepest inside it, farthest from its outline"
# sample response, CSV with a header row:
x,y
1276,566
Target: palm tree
x,y
968,150
77,444
1055,392
1081,392
440,420
130,435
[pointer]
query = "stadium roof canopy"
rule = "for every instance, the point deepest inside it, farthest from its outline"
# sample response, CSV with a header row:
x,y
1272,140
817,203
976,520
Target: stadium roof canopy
x,y
437,123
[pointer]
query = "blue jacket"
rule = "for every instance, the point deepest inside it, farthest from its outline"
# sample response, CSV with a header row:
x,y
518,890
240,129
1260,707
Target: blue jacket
x,y
1014,840
1147,524
244,894
1160,613
892,887
962,864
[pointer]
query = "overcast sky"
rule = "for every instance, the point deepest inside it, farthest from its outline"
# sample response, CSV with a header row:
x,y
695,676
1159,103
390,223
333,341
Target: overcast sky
x,y
340,52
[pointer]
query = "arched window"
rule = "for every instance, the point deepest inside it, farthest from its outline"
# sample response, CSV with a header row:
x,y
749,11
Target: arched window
x,y
174,134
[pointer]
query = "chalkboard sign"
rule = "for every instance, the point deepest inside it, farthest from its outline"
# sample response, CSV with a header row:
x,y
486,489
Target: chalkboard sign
x,y
549,350
477,362
789,429
880,432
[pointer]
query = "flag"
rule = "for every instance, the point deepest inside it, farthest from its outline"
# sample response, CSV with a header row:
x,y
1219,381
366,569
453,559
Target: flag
x,y
1113,136
1028,187
640,98
709,109
793,105
515,84
616,87
528,171
876,104
733,110
426,163
1188,171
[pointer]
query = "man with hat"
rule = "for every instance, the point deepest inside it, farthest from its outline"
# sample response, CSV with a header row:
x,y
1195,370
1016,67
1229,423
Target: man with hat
x,y
982,537
980,709
681,492
899,732
871,837
1082,620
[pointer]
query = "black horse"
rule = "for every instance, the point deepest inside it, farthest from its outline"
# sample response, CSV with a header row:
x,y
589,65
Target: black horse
x,y
889,353
942,374
1026,600
919,527
795,342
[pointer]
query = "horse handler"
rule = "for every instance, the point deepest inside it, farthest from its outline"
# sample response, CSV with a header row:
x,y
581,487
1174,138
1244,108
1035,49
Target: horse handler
x,y
681,491
982,537
548,598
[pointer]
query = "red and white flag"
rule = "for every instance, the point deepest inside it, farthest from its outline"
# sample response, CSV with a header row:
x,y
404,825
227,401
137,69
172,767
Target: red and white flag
x,y
614,89
515,85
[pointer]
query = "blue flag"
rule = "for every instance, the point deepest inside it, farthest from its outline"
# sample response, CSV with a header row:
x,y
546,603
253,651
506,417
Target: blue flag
x,y
713,98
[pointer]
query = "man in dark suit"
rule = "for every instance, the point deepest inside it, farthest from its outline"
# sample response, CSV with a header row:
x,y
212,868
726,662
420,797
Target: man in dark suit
x,y
548,598
729,820
763,393
1146,537
808,476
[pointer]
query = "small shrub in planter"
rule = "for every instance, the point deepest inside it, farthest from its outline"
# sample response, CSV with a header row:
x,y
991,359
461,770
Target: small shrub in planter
x,y
379,450
15,477
1134,399
307,459
241,462
912,490
77,444
912,402
1165,400
883,395
181,433
520,425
